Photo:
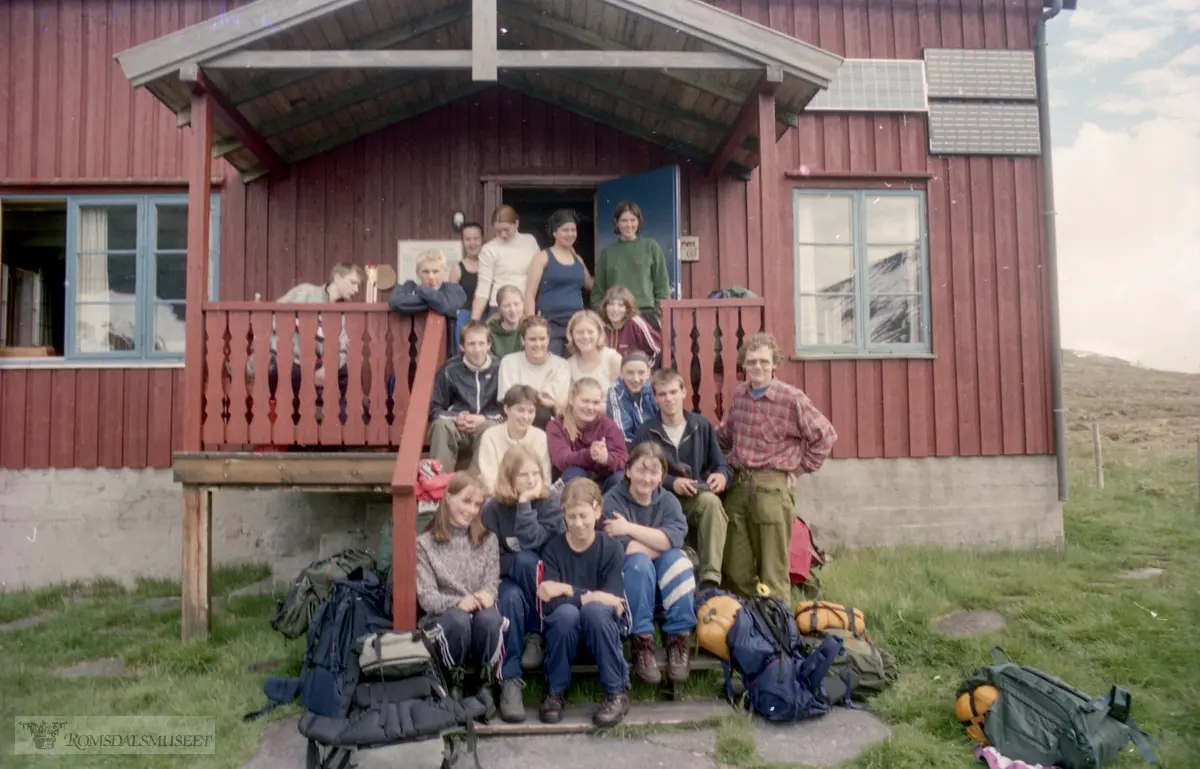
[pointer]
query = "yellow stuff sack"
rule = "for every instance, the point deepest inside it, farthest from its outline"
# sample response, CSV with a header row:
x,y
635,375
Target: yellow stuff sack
x,y
815,616
971,710
714,620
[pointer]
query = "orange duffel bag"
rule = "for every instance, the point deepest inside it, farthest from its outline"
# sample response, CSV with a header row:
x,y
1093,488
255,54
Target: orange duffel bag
x,y
815,616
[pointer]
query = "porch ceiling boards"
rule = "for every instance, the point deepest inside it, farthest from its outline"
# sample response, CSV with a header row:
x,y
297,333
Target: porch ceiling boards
x,y
333,86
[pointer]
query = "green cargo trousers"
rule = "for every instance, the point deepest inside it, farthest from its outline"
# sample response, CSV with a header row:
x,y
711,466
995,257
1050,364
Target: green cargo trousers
x,y
446,442
760,505
707,528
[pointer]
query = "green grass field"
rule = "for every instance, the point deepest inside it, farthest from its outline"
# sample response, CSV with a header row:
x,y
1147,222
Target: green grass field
x,y
1067,612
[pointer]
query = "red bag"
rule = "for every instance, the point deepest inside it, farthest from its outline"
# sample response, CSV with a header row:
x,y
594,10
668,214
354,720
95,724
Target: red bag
x,y
431,481
804,553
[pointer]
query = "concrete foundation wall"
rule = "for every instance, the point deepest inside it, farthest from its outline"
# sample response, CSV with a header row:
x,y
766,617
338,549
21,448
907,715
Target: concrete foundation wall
x,y
63,525
972,502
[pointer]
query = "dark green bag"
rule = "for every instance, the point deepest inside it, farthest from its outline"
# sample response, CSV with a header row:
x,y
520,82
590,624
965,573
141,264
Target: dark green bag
x,y
861,670
312,586
1039,718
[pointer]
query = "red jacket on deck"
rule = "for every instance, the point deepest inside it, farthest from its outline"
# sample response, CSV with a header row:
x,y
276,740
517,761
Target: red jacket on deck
x,y
565,452
635,334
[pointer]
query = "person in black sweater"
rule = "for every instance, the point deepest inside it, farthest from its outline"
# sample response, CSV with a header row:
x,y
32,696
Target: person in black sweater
x,y
583,593
523,515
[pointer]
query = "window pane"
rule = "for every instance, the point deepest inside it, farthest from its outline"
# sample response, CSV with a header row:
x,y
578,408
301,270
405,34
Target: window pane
x,y
106,277
172,228
169,326
895,320
825,269
170,276
107,228
823,220
105,327
826,320
892,218
893,270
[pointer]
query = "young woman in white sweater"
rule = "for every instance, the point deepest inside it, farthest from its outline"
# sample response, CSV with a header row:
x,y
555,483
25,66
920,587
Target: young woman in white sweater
x,y
539,368
458,581
520,410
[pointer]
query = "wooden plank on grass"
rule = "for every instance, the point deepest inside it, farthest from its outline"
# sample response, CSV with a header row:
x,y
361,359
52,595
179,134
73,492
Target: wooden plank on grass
x,y
577,717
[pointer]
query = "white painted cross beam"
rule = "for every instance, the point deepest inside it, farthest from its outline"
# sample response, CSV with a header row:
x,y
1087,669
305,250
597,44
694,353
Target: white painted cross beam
x,y
484,32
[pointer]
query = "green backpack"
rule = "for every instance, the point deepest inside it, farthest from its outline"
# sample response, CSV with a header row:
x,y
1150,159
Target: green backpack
x,y
312,586
1039,718
861,670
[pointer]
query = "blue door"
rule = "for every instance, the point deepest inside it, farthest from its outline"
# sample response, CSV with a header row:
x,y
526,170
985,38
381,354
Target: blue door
x,y
657,194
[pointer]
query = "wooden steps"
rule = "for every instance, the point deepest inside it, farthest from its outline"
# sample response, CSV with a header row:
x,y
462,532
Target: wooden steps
x,y
577,717
699,662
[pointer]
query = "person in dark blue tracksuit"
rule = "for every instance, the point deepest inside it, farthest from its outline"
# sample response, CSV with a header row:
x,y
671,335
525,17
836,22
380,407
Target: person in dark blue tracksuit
x,y
524,515
583,595
649,524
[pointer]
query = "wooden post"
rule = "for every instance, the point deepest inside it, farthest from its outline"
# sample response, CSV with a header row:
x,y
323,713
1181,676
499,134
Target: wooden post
x,y
197,504
1099,451
404,562
770,269
195,614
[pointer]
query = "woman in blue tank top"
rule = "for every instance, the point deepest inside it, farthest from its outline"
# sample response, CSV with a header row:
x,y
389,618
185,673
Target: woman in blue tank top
x,y
557,280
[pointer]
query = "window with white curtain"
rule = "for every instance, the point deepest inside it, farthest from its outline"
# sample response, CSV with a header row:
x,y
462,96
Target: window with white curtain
x,y
862,272
126,275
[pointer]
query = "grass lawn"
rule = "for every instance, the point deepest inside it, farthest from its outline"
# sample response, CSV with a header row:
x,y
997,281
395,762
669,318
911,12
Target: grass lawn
x,y
1069,613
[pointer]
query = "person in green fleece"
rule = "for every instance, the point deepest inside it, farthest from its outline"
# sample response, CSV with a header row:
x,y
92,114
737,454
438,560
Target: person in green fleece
x,y
634,262
506,323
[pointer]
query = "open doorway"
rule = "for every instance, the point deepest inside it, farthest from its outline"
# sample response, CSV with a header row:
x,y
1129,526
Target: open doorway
x,y
33,276
535,205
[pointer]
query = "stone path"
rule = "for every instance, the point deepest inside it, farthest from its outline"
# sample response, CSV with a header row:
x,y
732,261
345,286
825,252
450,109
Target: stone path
x,y
24,624
1139,575
828,741
104,667
968,624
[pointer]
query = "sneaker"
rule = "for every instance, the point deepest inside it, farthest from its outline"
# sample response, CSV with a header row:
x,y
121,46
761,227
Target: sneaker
x,y
612,709
645,666
534,654
677,657
551,709
512,707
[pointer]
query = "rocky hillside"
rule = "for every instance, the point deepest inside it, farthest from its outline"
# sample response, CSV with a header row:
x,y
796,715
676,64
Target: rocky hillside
x,y
1138,406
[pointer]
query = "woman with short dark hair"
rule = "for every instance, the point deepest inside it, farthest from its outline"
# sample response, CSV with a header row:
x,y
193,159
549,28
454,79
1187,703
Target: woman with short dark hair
x,y
557,279
634,262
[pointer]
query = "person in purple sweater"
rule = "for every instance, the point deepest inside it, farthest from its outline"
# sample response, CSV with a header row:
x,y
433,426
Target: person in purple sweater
x,y
584,443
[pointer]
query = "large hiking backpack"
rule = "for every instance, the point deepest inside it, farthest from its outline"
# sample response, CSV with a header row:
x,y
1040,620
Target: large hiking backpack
x,y
312,585
398,697
781,683
1038,718
861,670
355,608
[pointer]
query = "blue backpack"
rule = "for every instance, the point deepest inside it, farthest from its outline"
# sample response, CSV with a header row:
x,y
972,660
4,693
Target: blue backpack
x,y
781,683
357,606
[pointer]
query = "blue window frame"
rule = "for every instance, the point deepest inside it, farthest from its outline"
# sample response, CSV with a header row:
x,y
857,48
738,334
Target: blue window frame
x,y
862,272
127,275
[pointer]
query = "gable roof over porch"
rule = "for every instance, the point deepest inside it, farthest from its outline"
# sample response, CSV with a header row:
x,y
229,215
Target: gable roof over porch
x,y
294,78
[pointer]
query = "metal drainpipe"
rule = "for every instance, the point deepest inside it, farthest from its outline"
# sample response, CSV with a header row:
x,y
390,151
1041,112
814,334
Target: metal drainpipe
x,y
1048,215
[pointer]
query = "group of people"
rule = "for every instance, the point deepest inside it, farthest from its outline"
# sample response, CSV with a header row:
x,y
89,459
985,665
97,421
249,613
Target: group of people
x,y
592,497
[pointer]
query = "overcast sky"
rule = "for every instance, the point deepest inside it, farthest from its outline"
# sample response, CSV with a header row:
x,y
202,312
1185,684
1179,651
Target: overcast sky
x,y
1125,107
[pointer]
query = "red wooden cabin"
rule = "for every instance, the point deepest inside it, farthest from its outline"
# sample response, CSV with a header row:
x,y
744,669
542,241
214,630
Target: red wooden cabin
x,y
872,171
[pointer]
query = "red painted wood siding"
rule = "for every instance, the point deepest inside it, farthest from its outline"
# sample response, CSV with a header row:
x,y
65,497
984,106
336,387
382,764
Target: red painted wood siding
x,y
90,417
986,391
66,110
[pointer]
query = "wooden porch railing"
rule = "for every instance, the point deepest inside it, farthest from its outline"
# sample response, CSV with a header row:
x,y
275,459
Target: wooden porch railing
x,y
330,375
701,339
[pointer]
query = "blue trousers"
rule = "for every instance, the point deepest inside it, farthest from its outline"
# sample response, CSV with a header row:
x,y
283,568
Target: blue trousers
x,y
599,626
519,605
607,482
670,580
470,638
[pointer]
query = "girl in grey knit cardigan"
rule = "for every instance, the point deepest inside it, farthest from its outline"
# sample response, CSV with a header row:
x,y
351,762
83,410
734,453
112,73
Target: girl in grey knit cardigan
x,y
458,579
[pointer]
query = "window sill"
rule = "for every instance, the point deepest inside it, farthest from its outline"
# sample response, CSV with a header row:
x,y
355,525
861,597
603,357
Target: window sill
x,y
816,356
68,363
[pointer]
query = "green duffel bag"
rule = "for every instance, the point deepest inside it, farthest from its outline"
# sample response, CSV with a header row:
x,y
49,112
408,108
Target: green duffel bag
x,y
862,670
1039,718
312,586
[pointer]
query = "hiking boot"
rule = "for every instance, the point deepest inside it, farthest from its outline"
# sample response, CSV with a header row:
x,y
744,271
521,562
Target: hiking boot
x,y
457,676
512,708
612,709
488,699
534,654
677,657
645,666
551,709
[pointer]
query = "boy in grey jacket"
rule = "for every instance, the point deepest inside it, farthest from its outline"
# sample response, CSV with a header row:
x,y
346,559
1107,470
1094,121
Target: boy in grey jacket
x,y
464,403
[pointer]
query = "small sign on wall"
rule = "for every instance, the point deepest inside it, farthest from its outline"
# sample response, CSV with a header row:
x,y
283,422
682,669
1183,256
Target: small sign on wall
x,y
689,248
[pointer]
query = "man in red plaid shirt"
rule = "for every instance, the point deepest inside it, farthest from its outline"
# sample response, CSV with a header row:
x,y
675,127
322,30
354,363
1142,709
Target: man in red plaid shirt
x,y
771,434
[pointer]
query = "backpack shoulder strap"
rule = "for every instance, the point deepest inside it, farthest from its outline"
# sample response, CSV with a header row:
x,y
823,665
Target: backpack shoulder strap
x,y
1117,704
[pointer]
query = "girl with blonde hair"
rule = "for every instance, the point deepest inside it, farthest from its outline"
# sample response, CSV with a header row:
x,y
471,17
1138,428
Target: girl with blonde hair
x,y
584,442
590,357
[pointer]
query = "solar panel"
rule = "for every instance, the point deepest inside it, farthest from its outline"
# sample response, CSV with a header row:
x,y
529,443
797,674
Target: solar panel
x,y
954,73
976,128
875,85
